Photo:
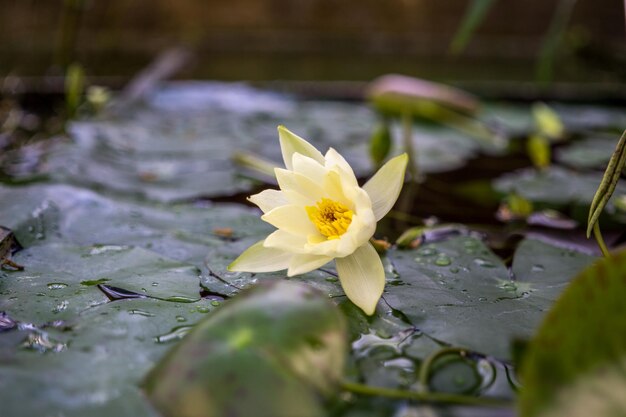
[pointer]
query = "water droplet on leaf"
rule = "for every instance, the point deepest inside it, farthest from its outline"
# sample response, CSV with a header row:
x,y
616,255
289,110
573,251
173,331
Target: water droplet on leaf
x,y
57,285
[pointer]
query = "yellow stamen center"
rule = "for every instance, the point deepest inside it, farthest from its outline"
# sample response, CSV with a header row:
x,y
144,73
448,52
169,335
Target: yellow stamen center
x,y
330,217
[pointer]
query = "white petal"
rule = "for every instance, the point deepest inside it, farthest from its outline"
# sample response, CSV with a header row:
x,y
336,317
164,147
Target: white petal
x,y
258,258
301,264
334,159
291,143
362,277
286,241
334,189
324,247
297,188
384,187
309,167
292,219
268,199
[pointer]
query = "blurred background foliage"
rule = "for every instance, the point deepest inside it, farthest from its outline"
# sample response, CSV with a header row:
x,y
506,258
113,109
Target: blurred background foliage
x,y
454,41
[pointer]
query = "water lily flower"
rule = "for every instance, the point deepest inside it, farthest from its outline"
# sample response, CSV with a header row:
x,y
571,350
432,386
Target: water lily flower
x,y
322,214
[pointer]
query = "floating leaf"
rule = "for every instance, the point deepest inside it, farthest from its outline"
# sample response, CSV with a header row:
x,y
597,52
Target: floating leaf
x,y
591,152
275,348
105,352
555,185
458,292
455,290
57,281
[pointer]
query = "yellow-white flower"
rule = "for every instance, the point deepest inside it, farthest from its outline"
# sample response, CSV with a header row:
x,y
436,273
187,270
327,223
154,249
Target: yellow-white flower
x,y
322,214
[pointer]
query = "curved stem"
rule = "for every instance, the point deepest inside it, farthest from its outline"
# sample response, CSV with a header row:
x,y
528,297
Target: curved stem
x,y
407,138
430,397
598,235
428,362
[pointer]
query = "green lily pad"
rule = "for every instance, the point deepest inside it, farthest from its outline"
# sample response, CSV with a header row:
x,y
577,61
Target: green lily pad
x,y
459,292
116,225
168,150
58,281
439,149
275,349
580,347
514,118
455,291
580,117
556,185
592,152
62,313
40,214
388,349
163,156
98,361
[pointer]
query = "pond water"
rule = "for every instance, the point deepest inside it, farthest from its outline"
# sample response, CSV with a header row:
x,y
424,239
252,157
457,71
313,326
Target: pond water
x,y
128,222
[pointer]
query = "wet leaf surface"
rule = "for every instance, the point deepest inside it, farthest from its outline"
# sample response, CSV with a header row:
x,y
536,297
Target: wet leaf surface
x,y
58,221
115,216
58,282
456,290
179,144
556,185
99,361
589,153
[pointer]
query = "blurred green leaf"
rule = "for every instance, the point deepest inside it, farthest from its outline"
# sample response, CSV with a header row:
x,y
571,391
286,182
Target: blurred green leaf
x,y
547,121
598,394
552,40
539,151
474,15
519,206
380,143
270,352
583,335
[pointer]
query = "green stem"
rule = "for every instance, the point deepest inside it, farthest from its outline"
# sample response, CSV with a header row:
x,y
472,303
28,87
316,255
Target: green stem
x,y
428,363
430,397
558,26
407,137
70,25
598,235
